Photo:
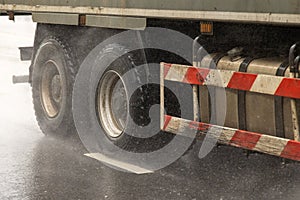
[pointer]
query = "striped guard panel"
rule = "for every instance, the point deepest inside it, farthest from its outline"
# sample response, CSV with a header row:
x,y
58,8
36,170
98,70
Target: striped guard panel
x,y
272,145
259,83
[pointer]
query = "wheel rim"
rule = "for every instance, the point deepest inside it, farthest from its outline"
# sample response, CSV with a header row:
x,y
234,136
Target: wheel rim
x,y
51,89
112,104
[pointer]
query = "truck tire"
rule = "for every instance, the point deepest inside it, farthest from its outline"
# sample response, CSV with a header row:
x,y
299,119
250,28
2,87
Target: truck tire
x,y
53,75
113,106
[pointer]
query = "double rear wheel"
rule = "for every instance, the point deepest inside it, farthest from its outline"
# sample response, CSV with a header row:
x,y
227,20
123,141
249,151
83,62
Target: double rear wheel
x,y
53,77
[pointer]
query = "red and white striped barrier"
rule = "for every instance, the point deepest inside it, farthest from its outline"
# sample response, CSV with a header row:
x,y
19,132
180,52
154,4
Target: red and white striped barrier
x,y
276,146
259,83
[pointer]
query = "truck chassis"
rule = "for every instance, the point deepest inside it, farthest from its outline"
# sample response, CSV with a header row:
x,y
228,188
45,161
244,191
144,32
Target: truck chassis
x,y
242,53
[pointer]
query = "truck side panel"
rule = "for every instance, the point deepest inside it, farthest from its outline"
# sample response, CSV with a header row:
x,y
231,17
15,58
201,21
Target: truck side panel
x,y
255,6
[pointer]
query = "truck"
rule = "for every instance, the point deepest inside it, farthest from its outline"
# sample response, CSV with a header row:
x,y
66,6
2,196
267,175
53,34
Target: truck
x,y
230,74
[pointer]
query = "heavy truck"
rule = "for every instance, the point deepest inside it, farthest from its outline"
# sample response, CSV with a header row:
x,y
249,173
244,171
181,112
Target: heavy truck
x,y
243,55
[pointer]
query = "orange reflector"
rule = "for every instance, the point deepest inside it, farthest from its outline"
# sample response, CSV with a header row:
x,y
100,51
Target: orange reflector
x,y
206,28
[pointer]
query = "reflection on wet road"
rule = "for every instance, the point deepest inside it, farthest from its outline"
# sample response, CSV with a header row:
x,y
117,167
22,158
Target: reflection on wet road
x,y
33,166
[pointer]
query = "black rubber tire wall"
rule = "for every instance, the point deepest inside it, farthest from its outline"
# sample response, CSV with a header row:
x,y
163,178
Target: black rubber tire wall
x,y
63,124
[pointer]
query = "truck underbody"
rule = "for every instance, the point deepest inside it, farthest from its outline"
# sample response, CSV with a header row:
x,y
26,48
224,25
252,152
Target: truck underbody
x,y
251,56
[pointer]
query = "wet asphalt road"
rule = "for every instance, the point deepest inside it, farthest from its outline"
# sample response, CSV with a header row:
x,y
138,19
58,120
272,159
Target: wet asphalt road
x,y
33,166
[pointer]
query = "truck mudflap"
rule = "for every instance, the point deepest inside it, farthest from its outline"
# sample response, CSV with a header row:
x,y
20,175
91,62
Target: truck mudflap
x,y
257,83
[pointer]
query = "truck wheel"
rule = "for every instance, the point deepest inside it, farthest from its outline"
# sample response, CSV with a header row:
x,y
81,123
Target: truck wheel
x,y
53,74
114,106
